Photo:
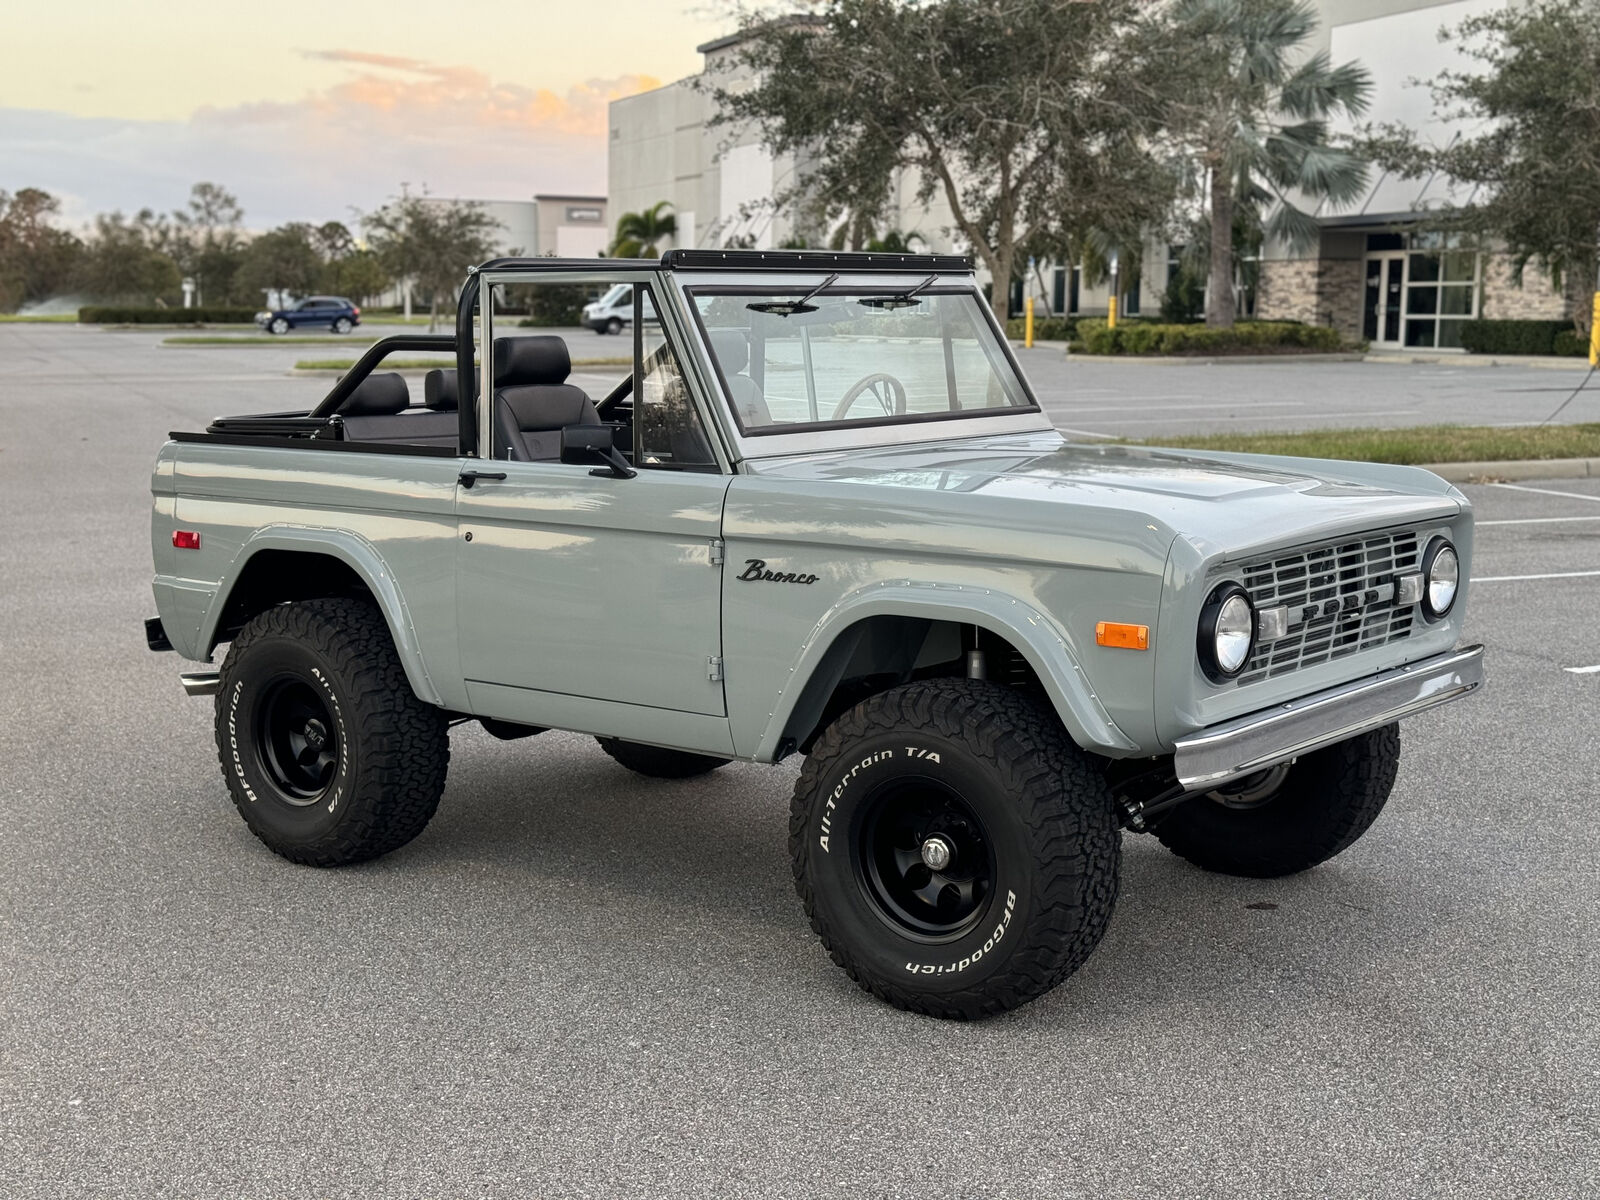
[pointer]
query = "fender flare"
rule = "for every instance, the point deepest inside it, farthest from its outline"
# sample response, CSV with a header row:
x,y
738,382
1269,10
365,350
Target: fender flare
x,y
1047,648
362,557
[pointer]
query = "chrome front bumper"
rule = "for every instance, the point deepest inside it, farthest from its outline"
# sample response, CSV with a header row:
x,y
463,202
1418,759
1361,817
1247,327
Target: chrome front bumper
x,y
1262,739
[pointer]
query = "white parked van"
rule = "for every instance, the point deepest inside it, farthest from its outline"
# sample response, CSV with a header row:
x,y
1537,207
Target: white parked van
x,y
613,312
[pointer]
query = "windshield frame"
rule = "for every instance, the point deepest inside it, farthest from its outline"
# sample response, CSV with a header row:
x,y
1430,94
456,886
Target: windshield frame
x,y
860,287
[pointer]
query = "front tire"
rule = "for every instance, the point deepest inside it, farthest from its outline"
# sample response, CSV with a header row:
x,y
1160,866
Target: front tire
x,y
1265,826
328,754
957,854
279,326
658,763
614,325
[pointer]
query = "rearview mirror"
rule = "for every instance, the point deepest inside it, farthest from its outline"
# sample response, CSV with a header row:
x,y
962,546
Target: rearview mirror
x,y
594,443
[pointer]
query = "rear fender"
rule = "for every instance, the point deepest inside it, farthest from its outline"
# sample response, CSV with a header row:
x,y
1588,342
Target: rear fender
x,y
355,552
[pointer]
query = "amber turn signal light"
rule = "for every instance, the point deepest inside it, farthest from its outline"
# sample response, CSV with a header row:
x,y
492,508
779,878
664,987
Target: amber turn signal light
x,y
1122,637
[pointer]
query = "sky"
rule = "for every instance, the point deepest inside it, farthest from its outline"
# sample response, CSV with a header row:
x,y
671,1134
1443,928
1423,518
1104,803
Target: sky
x,y
308,111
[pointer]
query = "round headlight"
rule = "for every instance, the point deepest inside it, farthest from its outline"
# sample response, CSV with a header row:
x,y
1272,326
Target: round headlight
x,y
1441,573
1227,632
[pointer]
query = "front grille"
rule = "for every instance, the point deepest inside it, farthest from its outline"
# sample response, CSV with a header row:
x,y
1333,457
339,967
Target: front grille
x,y
1331,573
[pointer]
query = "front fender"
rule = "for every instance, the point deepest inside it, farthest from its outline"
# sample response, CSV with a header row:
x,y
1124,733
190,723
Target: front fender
x,y
1046,646
362,557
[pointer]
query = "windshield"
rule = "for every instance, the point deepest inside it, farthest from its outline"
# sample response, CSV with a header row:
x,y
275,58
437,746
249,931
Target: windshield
x,y
617,294
792,361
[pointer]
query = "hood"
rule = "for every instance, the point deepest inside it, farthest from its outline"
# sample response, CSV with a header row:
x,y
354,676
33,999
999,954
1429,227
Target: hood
x,y
1231,501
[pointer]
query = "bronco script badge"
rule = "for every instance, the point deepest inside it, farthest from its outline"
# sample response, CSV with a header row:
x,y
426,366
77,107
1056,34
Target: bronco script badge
x,y
756,572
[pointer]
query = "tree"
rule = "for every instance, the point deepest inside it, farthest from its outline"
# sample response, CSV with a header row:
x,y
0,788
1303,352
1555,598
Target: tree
x,y
284,259
1533,172
36,258
431,242
360,275
638,233
123,261
206,241
1250,112
1023,115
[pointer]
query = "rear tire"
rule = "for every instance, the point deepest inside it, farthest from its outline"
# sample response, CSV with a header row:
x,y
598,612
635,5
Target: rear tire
x,y
1323,803
342,325
658,763
1021,889
328,754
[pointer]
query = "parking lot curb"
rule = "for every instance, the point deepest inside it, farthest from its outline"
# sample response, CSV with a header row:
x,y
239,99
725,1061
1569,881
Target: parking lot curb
x,y
1514,469
1218,360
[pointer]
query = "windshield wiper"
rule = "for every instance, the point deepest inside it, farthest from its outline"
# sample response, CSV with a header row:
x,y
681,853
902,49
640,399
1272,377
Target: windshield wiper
x,y
898,299
788,308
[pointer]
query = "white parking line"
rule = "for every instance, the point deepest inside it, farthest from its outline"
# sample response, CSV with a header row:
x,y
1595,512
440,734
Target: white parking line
x,y
1517,487
1534,521
1519,578
1594,670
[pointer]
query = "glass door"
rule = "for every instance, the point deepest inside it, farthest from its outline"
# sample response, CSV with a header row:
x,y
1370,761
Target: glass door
x,y
1383,302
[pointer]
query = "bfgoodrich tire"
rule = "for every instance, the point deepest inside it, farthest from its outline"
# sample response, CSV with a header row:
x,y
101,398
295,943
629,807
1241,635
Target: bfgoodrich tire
x,y
658,763
328,754
1280,823
956,853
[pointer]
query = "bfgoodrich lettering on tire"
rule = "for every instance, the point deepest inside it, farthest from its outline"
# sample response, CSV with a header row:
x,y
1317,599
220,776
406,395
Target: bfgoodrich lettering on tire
x,y
328,754
956,853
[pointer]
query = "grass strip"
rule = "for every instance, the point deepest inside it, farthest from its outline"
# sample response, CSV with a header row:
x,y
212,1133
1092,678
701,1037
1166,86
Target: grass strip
x,y
265,340
70,318
1408,447
403,364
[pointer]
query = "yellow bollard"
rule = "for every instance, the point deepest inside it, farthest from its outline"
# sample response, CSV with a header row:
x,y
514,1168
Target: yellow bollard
x,y
1111,313
1027,322
1594,333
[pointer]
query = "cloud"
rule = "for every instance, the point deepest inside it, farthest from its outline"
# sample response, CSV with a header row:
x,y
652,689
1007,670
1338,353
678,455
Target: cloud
x,y
447,128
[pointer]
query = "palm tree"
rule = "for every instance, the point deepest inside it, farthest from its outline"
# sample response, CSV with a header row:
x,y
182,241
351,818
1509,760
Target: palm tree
x,y
1254,119
638,233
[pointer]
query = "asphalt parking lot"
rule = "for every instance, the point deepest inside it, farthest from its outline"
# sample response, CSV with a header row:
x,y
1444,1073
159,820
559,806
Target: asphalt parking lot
x,y
580,983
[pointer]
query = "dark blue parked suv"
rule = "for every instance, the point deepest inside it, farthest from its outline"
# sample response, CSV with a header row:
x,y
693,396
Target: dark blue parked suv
x,y
337,313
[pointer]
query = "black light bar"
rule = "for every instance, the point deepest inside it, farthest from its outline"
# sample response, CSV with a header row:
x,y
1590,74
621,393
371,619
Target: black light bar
x,y
813,260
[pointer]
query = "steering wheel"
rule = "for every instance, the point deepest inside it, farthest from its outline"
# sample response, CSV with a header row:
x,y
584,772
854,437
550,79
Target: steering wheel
x,y
885,389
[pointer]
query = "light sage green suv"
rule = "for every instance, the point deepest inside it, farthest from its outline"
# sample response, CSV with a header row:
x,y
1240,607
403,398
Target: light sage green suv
x,y
819,512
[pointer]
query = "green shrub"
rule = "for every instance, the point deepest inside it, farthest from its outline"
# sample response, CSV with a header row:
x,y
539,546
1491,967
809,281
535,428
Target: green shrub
x,y
1570,344
1243,338
1184,300
1512,337
1045,329
108,314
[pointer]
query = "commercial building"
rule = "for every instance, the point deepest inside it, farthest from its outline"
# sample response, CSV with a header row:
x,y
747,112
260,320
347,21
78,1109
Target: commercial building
x,y
1377,270
568,226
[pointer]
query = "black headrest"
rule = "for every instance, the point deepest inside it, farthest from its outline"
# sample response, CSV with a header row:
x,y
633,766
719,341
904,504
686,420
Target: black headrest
x,y
376,396
542,359
732,349
439,390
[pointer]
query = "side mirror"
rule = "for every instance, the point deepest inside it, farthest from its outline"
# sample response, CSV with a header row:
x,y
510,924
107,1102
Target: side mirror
x,y
594,443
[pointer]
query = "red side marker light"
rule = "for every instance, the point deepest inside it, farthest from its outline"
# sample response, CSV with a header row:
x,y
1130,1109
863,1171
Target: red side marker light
x,y
186,539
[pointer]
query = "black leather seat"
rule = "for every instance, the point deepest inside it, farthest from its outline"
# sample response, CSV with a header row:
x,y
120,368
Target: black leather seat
x,y
732,348
533,400
379,410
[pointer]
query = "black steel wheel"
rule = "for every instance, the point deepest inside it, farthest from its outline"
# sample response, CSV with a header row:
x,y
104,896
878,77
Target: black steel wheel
x,y
956,853
328,754
297,738
1284,820
925,857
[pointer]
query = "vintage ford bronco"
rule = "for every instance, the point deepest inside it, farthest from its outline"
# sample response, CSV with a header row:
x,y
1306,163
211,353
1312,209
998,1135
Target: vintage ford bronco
x,y
823,514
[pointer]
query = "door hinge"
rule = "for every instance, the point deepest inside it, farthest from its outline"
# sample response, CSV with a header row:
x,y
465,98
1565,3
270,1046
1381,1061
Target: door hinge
x,y
719,551
714,669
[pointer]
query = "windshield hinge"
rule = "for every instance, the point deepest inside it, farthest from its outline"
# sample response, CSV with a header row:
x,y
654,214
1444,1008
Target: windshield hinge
x,y
719,552
714,669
